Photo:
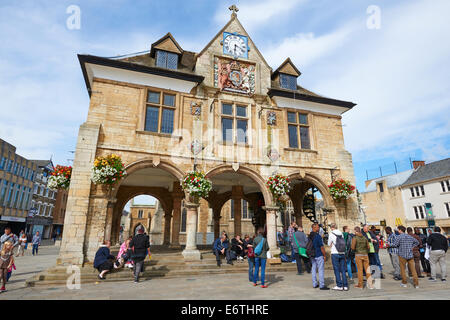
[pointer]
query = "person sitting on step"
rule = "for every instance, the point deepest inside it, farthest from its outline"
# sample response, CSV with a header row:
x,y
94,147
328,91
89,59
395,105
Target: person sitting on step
x,y
221,247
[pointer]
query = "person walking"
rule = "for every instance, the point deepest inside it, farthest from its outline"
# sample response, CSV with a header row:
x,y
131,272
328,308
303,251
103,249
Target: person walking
x,y
261,247
9,236
6,262
336,242
290,233
361,247
405,244
103,260
250,252
140,246
439,247
425,263
316,252
36,242
349,254
22,244
393,253
299,241
416,252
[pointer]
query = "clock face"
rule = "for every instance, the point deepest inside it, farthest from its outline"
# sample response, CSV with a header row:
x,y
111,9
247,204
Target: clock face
x,y
235,45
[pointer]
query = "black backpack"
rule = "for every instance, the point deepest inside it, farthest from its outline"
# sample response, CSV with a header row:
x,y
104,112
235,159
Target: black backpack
x,y
310,250
340,243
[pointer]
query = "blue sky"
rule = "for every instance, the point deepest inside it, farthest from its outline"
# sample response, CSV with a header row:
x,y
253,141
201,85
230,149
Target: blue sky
x,y
398,74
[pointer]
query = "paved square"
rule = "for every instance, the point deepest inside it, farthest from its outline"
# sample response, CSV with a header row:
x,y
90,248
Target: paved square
x,y
281,286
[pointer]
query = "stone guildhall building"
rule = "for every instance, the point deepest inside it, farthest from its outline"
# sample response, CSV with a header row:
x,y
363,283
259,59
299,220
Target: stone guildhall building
x,y
222,110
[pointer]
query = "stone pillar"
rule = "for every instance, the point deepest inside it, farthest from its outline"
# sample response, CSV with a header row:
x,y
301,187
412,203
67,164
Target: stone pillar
x,y
168,218
75,221
109,218
279,221
237,192
271,213
191,253
176,219
216,219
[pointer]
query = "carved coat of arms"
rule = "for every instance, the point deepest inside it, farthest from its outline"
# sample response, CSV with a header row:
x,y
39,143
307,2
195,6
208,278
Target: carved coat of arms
x,y
234,76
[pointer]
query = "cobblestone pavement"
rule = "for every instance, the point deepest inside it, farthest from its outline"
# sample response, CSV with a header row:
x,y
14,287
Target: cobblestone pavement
x,y
281,286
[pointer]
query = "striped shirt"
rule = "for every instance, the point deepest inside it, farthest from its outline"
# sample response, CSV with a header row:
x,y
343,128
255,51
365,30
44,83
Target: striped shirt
x,y
405,244
390,240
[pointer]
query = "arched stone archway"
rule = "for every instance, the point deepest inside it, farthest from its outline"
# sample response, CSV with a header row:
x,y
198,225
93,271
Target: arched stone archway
x,y
301,184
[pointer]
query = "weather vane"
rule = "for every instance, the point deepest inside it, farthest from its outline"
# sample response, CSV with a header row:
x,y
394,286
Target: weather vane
x,y
234,9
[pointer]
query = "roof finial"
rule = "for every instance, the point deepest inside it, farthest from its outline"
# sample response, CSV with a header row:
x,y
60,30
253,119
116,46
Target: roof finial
x,y
234,9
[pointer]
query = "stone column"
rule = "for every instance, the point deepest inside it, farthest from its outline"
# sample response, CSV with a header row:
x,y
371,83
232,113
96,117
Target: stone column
x,y
168,218
216,219
176,219
237,193
271,229
75,221
191,253
109,218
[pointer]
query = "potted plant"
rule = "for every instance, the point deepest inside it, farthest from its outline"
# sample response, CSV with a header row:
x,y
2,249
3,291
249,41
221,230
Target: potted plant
x,y
107,170
196,185
341,189
279,186
60,178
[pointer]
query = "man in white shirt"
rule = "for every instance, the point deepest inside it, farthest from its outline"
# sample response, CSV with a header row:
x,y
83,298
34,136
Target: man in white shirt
x,y
337,243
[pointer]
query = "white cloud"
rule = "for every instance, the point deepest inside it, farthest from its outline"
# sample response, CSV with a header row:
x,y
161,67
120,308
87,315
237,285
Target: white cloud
x,y
254,14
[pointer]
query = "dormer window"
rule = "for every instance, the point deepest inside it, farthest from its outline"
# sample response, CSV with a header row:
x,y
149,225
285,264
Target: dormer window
x,y
167,60
288,82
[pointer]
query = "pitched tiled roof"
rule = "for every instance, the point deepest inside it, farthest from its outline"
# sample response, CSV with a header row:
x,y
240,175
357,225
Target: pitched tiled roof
x,y
392,180
430,171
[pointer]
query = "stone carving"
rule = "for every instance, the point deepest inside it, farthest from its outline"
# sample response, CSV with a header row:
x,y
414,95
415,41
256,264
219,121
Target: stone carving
x,y
273,154
196,109
234,76
271,118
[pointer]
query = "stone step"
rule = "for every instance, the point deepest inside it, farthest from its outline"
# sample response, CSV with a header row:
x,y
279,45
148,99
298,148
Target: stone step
x,y
49,277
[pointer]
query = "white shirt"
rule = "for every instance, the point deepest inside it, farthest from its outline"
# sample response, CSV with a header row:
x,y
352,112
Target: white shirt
x,y
332,241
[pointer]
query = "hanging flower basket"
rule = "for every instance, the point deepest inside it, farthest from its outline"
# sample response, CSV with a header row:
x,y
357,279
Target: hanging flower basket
x,y
60,178
196,184
279,186
108,170
341,189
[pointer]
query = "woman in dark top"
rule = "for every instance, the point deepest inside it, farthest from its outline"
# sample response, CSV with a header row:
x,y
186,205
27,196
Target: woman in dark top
x,y
103,261
261,258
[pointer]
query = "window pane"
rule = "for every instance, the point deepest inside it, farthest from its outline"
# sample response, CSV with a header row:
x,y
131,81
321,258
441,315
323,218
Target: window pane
x,y
291,117
412,192
227,129
242,131
304,138
153,97
293,140
303,118
167,121
161,59
183,220
241,111
232,209
416,213
227,109
288,81
169,100
172,60
423,191
244,210
151,119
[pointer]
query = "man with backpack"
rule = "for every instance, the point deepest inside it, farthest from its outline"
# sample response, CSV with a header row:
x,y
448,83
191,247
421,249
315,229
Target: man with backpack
x,y
337,243
139,245
316,252
299,241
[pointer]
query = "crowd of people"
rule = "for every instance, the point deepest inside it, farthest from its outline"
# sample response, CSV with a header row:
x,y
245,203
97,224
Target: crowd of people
x,y
352,252
10,243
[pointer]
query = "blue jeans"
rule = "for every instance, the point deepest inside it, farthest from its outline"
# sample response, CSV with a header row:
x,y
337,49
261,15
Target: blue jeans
x,y
35,248
349,267
318,266
251,269
260,262
338,261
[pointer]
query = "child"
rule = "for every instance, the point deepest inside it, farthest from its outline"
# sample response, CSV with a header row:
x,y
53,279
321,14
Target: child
x,y
6,262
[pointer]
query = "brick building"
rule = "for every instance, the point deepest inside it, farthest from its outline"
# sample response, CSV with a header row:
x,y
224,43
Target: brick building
x,y
222,110
59,213
16,187
43,203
